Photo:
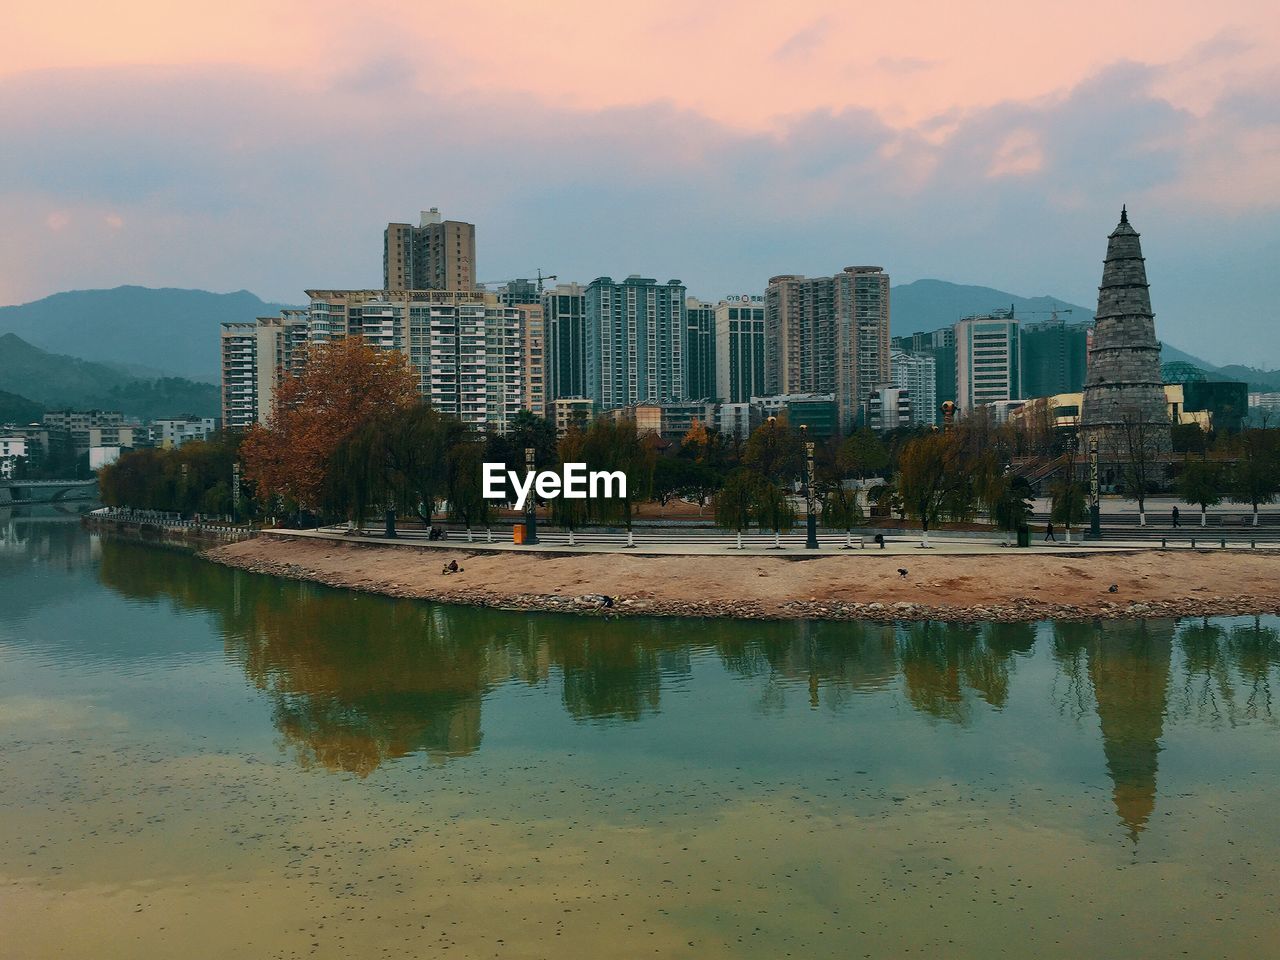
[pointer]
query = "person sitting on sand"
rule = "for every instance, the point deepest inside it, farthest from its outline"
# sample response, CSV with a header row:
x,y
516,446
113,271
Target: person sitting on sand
x,y
451,567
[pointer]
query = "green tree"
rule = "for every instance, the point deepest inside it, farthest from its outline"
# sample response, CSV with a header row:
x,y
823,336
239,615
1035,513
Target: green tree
x,y
774,451
929,476
1011,503
614,445
1203,483
735,501
571,513
773,510
467,504
841,509
1256,479
862,454
1067,502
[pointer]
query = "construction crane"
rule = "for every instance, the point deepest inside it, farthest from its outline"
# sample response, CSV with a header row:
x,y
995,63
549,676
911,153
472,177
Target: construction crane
x,y
541,278
1053,314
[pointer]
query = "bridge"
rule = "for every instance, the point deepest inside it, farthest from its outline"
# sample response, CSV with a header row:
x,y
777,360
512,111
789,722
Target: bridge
x,y
47,491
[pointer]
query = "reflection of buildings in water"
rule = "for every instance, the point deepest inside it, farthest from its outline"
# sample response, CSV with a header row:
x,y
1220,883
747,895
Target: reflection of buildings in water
x,y
1128,664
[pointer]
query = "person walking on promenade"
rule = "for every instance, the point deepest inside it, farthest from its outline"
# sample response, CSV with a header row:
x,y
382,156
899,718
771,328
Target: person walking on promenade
x,y
1175,518
1048,533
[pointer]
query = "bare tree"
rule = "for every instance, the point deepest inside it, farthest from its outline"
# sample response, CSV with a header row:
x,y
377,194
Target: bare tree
x,y
1136,457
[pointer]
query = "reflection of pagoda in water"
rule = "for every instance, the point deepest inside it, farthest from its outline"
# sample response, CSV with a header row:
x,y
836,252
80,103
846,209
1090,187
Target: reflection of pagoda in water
x,y
1129,670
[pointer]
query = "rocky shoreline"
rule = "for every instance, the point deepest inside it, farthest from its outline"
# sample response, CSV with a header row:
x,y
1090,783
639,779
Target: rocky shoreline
x,y
645,603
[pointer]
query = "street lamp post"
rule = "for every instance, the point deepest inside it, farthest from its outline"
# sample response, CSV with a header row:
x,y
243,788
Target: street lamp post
x,y
811,518
1095,523
531,515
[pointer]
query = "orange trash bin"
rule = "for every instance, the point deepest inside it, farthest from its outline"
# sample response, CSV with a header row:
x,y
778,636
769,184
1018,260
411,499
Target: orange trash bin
x,y
517,533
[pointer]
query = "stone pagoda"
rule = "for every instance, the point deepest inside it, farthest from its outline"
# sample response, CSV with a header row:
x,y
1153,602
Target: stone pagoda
x,y
1123,392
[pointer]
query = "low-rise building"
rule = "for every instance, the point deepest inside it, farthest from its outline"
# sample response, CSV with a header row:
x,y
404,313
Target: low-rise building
x,y
570,412
13,450
175,431
888,408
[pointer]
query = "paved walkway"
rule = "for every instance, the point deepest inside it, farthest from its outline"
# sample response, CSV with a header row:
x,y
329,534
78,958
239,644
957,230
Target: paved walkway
x,y
720,544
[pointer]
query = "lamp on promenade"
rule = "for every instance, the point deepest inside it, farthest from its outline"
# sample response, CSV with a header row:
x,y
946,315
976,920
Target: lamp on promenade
x,y
531,514
1095,522
811,513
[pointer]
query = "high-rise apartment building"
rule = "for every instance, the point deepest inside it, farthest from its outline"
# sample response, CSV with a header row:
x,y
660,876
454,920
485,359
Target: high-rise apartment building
x,y
437,254
829,335
700,349
256,356
741,351
467,349
533,357
987,362
564,309
1054,357
635,333
917,374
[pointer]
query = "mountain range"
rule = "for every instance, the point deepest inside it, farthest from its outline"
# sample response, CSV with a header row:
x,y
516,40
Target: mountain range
x,y
32,380
144,332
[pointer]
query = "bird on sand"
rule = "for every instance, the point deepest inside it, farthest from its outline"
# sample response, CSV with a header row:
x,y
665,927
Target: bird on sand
x,y
902,572
1112,589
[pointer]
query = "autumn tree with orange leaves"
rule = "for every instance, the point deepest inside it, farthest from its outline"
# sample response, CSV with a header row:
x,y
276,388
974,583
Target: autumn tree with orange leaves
x,y
342,387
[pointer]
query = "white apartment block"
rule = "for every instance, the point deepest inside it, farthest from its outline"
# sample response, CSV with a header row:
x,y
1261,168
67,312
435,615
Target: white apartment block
x,y
987,368
918,376
256,356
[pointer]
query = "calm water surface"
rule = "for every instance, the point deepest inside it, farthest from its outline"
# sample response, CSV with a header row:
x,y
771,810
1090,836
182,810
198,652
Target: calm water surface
x,y
199,762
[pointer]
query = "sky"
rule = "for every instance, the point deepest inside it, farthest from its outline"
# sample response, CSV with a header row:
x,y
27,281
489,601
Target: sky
x,y
264,145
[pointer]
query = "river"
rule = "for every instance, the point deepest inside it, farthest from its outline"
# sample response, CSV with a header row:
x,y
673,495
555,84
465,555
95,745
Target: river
x,y
201,762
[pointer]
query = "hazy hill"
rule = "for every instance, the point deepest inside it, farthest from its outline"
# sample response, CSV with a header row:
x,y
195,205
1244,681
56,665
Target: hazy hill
x,y
16,409
926,305
55,380
169,331
929,304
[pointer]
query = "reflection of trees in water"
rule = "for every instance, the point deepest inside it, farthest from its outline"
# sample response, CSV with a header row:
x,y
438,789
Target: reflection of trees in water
x,y
943,662
355,680
1228,672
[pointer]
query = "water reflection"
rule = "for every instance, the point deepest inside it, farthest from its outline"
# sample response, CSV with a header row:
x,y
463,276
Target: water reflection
x,y
356,681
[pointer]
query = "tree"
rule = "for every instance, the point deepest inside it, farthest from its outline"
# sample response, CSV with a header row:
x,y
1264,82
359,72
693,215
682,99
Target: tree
x,y
735,502
1201,483
1067,502
928,476
397,461
1011,505
571,513
614,445
1256,479
1137,461
841,509
862,453
774,451
467,504
773,510
343,385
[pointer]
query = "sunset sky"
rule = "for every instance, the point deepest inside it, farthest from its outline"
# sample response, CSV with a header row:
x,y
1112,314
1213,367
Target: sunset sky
x,y
264,145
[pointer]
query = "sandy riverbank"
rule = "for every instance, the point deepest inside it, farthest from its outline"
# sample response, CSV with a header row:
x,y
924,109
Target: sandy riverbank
x,y
858,586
